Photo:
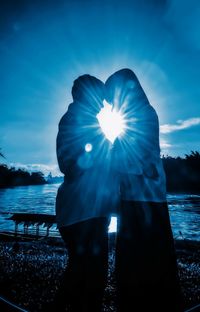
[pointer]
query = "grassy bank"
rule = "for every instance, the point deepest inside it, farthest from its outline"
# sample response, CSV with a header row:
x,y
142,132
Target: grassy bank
x,y
31,271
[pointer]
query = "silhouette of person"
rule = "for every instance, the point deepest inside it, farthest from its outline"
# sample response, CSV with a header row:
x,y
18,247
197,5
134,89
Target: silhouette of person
x,y
146,268
83,203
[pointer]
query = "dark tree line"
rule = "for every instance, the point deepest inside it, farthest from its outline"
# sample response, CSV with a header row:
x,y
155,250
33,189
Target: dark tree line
x,y
10,177
183,174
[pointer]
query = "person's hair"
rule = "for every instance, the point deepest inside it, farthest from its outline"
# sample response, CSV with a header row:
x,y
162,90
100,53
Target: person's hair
x,y
88,88
119,84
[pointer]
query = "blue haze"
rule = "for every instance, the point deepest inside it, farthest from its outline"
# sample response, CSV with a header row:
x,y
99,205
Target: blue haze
x,y
45,45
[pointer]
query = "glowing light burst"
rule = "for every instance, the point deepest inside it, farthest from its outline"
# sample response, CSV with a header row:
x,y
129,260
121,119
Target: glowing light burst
x,y
88,147
111,122
113,225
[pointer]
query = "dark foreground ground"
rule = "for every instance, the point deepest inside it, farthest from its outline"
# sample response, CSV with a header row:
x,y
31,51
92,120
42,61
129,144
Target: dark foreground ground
x,y
30,275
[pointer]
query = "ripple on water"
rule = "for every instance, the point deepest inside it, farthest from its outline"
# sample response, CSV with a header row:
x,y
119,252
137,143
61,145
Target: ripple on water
x,y
184,209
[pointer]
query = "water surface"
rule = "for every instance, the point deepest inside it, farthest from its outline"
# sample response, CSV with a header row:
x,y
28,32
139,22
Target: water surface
x,y
184,209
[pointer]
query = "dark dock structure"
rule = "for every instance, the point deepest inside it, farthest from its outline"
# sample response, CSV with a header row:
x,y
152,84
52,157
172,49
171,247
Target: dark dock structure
x,y
35,219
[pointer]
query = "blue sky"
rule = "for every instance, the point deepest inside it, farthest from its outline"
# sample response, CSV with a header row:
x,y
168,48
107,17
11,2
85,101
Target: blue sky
x,y
45,45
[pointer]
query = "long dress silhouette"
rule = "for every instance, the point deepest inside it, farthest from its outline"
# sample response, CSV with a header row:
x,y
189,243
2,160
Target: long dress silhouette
x,y
83,203
146,268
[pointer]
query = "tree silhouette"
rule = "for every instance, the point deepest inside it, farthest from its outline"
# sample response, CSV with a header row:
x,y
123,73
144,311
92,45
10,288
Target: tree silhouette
x,y
193,156
183,174
10,177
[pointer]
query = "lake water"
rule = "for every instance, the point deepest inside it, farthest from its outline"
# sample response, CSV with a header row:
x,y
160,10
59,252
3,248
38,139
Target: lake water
x,y
184,209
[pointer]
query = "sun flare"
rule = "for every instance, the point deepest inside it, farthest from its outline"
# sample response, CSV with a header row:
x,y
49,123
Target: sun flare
x,y
111,122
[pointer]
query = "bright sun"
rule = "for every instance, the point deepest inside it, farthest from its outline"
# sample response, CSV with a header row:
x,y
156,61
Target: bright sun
x,y
111,122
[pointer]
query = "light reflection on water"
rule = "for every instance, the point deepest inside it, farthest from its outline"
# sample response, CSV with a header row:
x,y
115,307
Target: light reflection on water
x,y
185,215
184,209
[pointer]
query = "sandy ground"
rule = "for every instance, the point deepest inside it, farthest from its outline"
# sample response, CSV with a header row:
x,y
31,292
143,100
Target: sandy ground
x,y
30,272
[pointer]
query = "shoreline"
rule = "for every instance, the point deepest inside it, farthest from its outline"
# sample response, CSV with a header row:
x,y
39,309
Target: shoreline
x,y
31,270
11,236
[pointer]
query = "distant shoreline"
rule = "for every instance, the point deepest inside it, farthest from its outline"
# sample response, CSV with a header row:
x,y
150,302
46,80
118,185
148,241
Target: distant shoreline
x,y
16,186
182,175
174,192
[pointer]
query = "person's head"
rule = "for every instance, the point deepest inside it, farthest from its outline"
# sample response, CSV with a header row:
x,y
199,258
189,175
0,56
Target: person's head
x,y
89,90
123,89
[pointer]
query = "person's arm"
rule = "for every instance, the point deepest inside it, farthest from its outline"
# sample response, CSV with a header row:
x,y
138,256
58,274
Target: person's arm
x,y
124,156
147,143
66,147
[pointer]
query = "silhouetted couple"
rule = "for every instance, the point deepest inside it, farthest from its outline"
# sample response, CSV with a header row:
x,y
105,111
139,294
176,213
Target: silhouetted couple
x,y
101,178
